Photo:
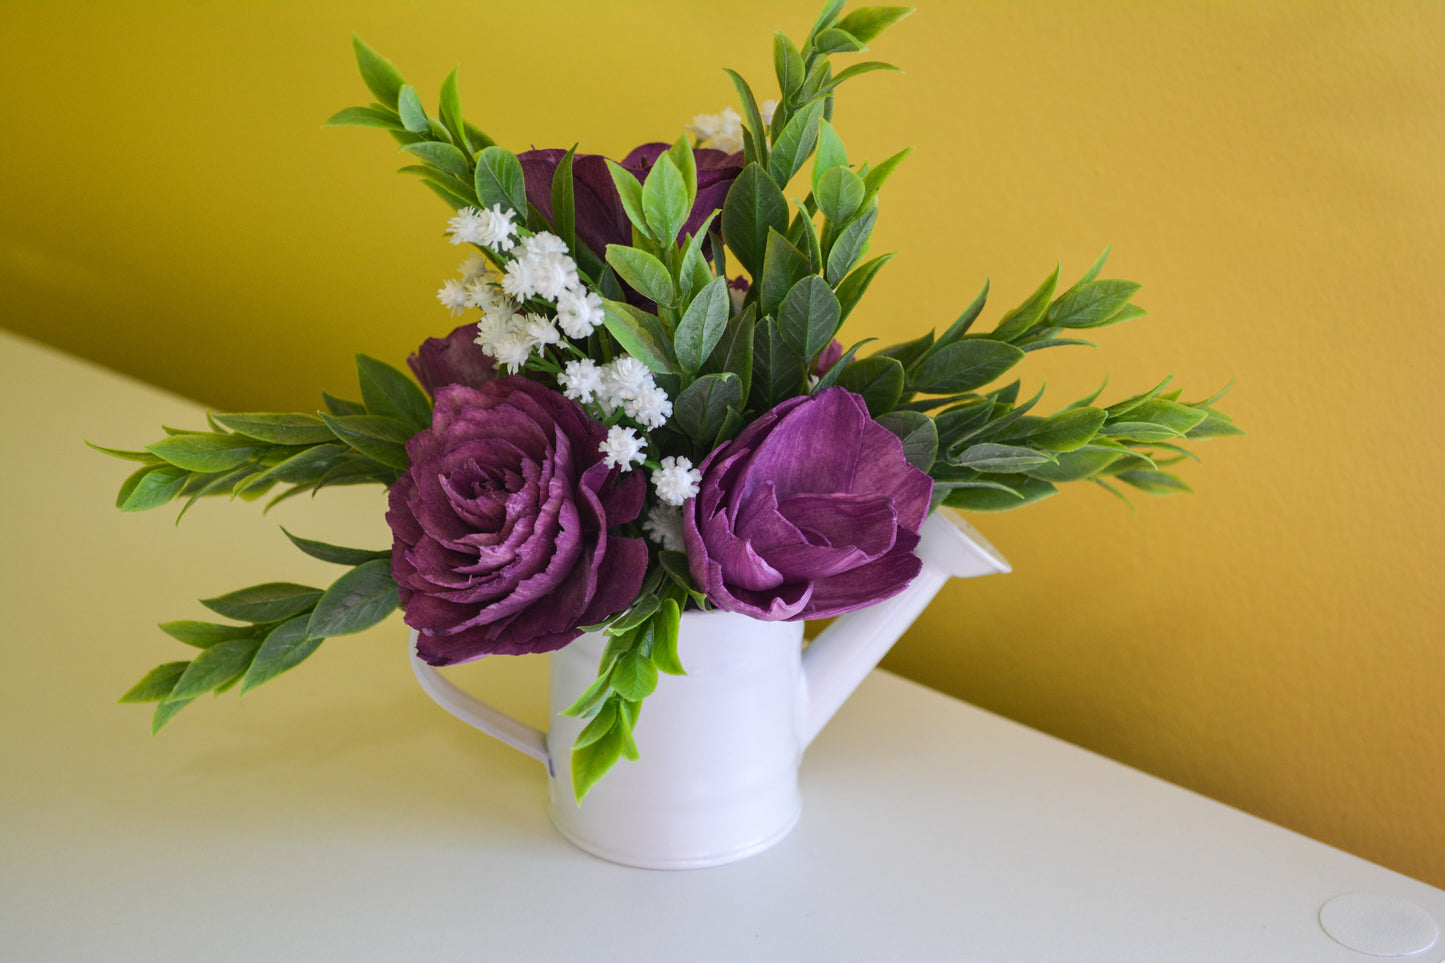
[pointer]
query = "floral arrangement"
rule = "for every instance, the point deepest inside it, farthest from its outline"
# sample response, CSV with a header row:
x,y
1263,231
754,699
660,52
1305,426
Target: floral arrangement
x,y
648,408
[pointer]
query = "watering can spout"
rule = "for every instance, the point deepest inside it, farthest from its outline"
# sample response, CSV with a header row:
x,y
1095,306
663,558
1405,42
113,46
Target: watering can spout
x,y
841,657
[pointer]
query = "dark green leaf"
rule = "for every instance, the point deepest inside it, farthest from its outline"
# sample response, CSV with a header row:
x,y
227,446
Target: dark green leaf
x,y
970,314
754,119
778,370
1000,458
285,647
379,438
203,635
1153,482
964,366
878,379
340,406
830,377
307,465
1170,414
795,144
144,457
702,325
1142,431
498,180
271,602
809,316
909,352
917,433
389,393
1216,424
783,266
215,666
701,409
358,600
380,77
1090,305
1069,430
734,351
335,553
564,211
156,684
851,244
1023,491
1022,319
150,487
754,207
278,429
839,193
1077,465
851,291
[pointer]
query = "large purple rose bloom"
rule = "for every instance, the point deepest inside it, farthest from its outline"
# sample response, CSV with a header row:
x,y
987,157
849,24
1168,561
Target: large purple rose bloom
x,y
601,219
456,359
811,512
501,524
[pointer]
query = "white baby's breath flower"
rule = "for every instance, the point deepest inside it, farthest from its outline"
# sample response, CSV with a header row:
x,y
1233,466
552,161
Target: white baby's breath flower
x,y
623,448
552,274
543,243
475,268
579,312
497,327
467,226
487,296
580,380
512,350
722,131
664,526
518,281
453,296
676,481
766,109
496,228
542,330
624,378
650,406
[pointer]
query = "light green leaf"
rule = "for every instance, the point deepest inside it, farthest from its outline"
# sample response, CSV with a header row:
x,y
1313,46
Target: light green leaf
x,y
151,487
214,667
866,23
203,635
1153,482
443,157
835,40
757,130
642,271
358,600
1069,430
839,193
363,117
206,452
640,335
592,761
702,325
991,457
1090,305
634,677
795,144
876,176
665,202
1023,318
278,429
831,153
271,602
408,105
498,180
450,107
851,244
686,162
156,684
848,73
629,189
380,77
664,639
787,64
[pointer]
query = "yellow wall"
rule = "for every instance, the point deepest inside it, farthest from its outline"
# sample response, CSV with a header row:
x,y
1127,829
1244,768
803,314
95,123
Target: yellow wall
x,y
1270,171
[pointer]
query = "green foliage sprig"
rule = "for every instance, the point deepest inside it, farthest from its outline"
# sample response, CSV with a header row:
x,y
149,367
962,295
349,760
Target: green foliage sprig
x,y
246,455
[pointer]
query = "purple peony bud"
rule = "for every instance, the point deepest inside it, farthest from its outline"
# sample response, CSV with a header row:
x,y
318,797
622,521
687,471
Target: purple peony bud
x,y
600,218
501,524
456,359
828,357
811,512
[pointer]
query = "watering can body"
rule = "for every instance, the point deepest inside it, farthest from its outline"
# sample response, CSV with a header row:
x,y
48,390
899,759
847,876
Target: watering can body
x,y
720,747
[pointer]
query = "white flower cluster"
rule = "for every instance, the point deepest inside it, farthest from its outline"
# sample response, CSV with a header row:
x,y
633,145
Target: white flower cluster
x,y
676,481
490,228
724,131
622,383
664,526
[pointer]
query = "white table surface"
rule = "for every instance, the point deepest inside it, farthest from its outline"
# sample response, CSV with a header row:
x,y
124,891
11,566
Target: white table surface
x,y
335,814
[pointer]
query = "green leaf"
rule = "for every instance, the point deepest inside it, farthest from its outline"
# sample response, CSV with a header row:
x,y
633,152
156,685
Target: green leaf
x,y
970,314
389,393
377,437
686,162
835,40
150,487
634,676
1216,424
754,207
804,236
1077,465
783,266
876,177
285,647
754,119
498,180
144,457
1023,318
643,272
564,211
363,117
878,379
778,370
443,157
665,202
865,67
831,153
909,353
203,635
734,351
1021,491
809,316
702,325
206,452
335,553
1170,414
866,23
795,144
408,105
664,639
851,291
830,377
601,723
851,244
340,406
630,190
591,762
787,64
1090,305
380,77
918,434
271,602
1069,430
1141,431
839,193
832,10
358,600
1000,458
701,409
156,684
215,666
1153,482
640,335
450,107
964,366
278,429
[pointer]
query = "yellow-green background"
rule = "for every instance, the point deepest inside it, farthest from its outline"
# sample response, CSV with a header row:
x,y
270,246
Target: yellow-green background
x,y
1271,172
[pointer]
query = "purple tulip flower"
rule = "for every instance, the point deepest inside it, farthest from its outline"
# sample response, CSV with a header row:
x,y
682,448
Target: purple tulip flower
x,y
811,512
601,219
456,359
501,524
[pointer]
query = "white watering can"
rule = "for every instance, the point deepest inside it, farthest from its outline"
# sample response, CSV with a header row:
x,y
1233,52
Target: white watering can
x,y
718,776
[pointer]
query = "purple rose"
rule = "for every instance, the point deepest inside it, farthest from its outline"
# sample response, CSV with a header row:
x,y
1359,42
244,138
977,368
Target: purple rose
x,y
811,512
601,219
456,359
501,524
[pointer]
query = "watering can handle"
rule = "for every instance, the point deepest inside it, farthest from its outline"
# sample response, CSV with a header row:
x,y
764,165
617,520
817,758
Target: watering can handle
x,y
474,712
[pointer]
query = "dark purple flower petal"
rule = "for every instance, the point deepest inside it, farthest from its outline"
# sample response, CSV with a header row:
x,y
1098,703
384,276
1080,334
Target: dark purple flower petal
x,y
456,359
